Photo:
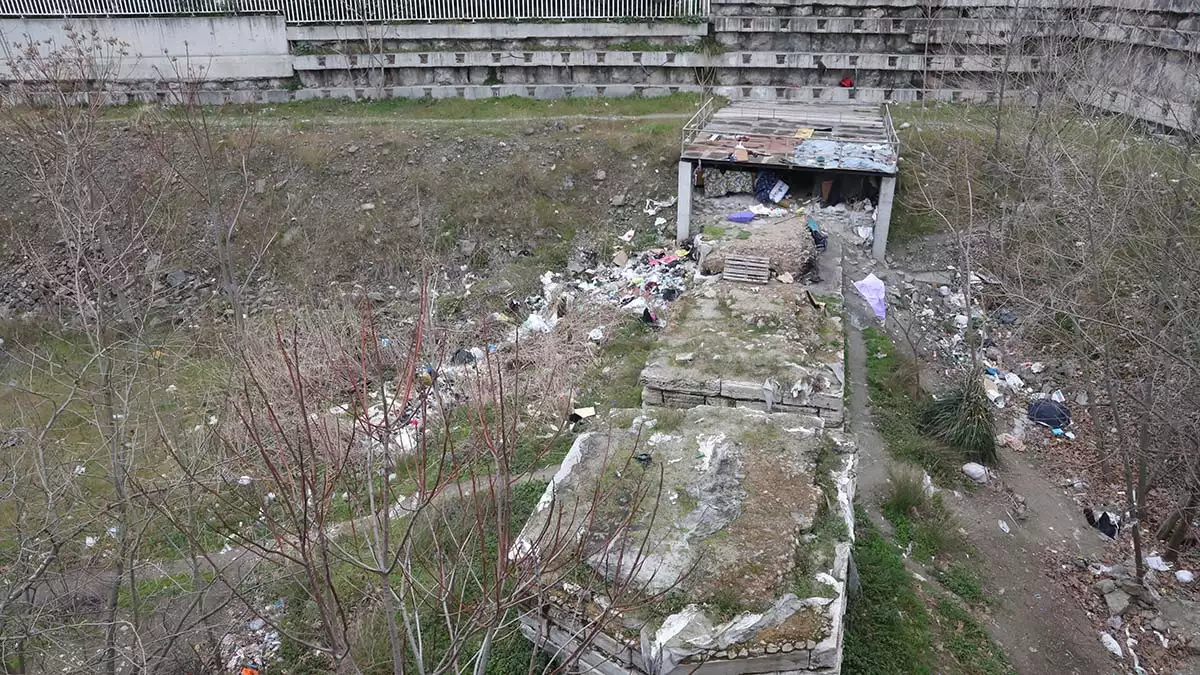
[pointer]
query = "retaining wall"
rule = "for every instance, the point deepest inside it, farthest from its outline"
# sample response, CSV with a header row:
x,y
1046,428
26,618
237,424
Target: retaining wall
x,y
899,50
251,47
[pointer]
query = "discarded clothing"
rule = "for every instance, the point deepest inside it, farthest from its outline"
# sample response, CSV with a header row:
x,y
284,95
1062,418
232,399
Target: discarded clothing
x,y
1049,413
1107,522
718,182
872,290
741,216
764,184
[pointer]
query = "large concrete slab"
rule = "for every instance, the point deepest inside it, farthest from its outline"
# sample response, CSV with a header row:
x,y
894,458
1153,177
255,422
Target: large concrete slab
x,y
712,540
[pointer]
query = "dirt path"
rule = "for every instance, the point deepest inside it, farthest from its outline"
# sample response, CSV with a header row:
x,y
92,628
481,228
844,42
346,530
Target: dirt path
x,y
1039,626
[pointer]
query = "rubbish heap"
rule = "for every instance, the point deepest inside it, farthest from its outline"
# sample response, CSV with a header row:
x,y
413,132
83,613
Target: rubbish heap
x,y
255,643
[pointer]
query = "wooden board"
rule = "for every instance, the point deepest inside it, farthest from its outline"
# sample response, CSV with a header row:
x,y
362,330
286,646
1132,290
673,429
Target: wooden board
x,y
747,269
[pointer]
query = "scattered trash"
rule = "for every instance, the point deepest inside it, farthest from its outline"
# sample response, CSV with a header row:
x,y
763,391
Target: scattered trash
x,y
779,191
1156,563
1003,526
1058,396
1010,441
660,221
1049,413
653,206
873,291
686,357
580,414
741,216
536,324
785,278
1110,643
1107,522
628,236
1184,576
976,472
1014,381
620,258
1037,367
1006,317
927,487
462,357
596,334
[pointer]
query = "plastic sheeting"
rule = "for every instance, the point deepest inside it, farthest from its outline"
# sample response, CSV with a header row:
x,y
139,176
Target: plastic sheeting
x,y
820,153
873,291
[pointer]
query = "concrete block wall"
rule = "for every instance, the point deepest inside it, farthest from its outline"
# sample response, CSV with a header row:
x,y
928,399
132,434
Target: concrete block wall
x,y
214,48
899,50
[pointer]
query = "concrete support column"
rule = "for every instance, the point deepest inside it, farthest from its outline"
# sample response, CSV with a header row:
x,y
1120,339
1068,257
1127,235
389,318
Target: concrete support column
x,y
883,216
683,209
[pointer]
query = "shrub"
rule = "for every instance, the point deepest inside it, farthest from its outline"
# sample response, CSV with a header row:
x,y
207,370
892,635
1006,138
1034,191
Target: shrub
x,y
962,418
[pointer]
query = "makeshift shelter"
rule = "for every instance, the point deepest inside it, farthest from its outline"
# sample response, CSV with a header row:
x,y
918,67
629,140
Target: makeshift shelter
x,y
850,150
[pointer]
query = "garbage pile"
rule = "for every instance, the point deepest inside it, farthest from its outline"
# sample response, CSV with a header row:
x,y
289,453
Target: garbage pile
x,y
254,643
640,283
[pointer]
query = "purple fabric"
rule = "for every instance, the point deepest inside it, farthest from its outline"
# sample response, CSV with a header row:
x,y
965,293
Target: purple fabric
x,y
742,216
872,290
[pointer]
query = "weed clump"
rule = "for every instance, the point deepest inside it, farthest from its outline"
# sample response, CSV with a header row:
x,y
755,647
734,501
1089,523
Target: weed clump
x,y
962,419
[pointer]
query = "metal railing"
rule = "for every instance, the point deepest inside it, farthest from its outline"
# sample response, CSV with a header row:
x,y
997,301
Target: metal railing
x,y
368,11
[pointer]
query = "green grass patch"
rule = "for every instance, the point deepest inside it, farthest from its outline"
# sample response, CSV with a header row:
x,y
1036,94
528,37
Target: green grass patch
x,y
492,108
964,581
714,232
967,642
887,626
615,384
930,528
896,406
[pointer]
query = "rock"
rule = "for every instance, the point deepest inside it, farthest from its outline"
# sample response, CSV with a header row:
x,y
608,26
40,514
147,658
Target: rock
x,y
943,291
1105,586
366,206
601,174
786,278
1159,624
1114,622
617,200
178,278
1117,602
352,149
1184,576
976,472
1132,587
577,129
1037,367
961,321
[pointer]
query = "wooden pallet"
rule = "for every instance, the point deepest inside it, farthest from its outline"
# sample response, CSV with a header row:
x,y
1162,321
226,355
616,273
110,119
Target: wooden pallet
x,y
747,269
